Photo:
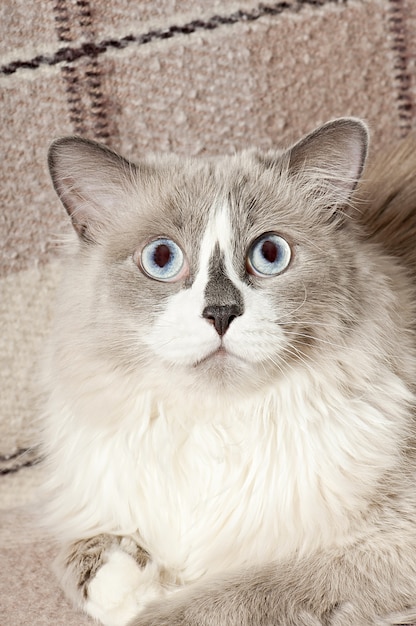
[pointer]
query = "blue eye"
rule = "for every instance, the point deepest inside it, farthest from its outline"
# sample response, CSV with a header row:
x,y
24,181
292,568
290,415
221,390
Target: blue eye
x,y
269,255
162,259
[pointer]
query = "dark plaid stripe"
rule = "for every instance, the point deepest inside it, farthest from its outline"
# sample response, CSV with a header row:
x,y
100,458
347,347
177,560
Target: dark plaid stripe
x,y
86,102
12,463
401,68
92,50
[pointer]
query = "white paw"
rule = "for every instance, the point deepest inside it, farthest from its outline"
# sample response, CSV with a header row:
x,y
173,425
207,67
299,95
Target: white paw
x,y
121,589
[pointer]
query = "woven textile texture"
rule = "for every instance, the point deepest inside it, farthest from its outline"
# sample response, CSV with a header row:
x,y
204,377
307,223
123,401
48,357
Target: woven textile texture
x,y
191,76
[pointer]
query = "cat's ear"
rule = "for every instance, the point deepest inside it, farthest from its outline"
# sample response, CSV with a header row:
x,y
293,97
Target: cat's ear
x,y
91,181
332,157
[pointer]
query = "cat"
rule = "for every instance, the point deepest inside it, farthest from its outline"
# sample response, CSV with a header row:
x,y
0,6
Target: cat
x,y
229,424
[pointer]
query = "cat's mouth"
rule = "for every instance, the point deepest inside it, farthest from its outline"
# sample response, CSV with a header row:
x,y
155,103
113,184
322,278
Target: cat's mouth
x,y
219,354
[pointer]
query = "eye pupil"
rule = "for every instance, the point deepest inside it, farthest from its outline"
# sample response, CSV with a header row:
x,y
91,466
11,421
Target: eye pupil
x,y
269,251
268,255
162,259
162,255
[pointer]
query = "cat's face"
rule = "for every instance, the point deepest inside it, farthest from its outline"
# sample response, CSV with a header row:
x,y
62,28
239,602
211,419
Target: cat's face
x,y
217,273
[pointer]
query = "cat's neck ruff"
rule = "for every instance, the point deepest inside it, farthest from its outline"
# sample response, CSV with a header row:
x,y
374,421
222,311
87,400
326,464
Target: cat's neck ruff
x,y
287,467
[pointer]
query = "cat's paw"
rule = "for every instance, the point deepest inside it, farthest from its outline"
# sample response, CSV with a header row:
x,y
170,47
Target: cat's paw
x,y
121,589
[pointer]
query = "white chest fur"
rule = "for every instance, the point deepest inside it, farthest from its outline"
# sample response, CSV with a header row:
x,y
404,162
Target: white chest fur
x,y
251,483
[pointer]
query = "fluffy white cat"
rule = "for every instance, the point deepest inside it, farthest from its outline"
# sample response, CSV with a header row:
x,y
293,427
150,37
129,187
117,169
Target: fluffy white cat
x,y
230,381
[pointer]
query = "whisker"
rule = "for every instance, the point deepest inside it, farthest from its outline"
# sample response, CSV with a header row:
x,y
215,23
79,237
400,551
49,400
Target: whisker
x,y
300,356
300,305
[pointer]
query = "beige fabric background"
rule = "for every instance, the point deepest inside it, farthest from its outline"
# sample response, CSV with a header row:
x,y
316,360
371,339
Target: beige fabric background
x,y
192,76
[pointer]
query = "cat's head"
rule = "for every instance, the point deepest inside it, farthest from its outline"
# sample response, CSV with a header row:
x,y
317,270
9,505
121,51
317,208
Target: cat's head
x,y
217,273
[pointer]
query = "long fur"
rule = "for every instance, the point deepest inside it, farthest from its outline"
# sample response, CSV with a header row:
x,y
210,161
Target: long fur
x,y
387,198
265,476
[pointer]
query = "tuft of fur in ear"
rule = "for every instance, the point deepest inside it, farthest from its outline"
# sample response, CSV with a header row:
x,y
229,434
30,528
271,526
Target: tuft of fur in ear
x,y
91,181
331,158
